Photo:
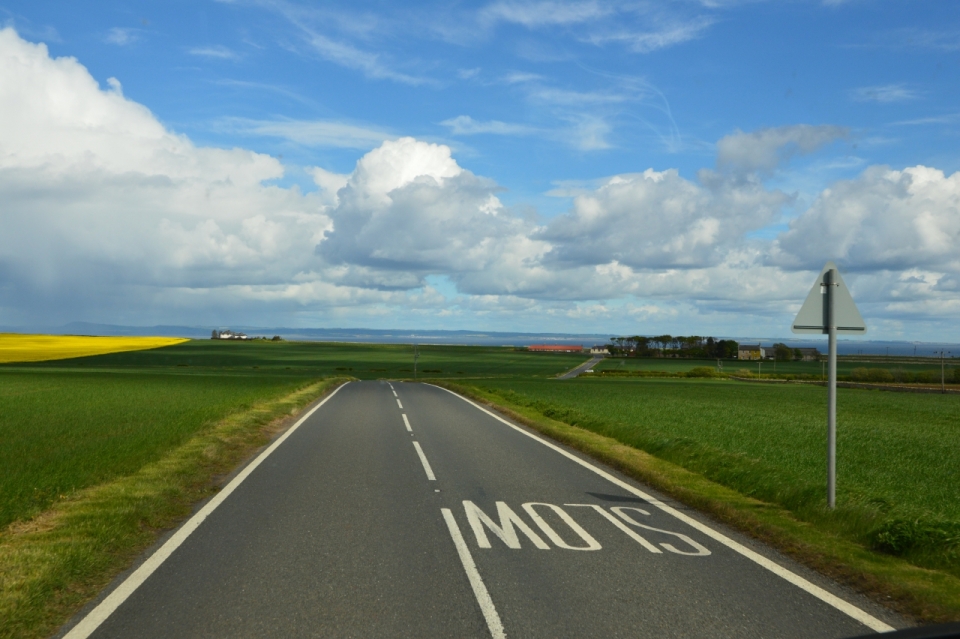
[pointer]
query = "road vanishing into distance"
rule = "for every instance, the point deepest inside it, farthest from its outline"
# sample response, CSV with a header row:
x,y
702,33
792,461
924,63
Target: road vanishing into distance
x,y
404,510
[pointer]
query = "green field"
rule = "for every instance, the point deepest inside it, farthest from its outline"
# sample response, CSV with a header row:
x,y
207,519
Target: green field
x,y
845,366
314,359
65,430
69,424
898,453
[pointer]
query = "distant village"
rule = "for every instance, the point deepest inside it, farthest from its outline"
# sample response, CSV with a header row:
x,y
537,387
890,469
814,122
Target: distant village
x,y
236,335
692,347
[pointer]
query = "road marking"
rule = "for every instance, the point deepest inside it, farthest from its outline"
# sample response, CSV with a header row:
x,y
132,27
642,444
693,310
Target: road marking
x,y
406,422
592,544
105,608
476,582
619,524
423,460
394,393
399,404
505,531
848,609
699,551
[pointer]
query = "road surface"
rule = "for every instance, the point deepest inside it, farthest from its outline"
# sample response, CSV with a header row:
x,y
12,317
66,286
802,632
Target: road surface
x,y
582,368
403,510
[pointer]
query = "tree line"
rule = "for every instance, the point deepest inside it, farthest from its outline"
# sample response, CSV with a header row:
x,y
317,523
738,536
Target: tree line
x,y
693,346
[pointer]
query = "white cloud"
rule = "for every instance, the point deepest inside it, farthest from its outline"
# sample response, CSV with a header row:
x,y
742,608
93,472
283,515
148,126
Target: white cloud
x,y
660,220
100,198
648,40
351,57
884,93
122,36
215,51
882,220
317,133
538,14
767,149
409,209
465,125
109,215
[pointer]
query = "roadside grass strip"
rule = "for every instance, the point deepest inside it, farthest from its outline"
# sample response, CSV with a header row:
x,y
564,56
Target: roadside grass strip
x,y
51,565
16,347
928,594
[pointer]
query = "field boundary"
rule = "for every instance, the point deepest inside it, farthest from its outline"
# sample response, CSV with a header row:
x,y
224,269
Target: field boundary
x,y
919,593
53,564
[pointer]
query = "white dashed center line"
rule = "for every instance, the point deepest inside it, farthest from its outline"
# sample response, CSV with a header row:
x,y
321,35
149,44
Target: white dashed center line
x,y
423,460
406,422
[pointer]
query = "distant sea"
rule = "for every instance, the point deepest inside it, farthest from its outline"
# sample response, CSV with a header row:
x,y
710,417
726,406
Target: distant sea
x,y
477,338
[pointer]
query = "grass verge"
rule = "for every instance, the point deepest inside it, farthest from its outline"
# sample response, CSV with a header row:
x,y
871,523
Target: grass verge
x,y
924,594
52,564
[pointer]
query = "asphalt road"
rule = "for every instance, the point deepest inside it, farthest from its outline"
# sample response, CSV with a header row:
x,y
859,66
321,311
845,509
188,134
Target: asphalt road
x,y
404,511
582,368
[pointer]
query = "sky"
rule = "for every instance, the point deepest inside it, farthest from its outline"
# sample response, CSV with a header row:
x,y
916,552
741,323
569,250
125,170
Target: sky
x,y
682,167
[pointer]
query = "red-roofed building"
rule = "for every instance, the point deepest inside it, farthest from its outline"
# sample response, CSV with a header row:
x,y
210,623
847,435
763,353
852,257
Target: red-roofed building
x,y
555,348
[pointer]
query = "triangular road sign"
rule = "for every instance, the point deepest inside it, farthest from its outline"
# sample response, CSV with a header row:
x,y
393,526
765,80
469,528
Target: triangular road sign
x,y
812,315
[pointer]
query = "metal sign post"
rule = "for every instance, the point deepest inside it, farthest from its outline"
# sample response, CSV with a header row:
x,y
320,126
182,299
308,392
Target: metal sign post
x,y
830,309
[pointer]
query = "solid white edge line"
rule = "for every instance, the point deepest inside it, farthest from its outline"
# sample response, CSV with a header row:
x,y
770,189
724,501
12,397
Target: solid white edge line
x,y
105,608
849,609
406,422
423,460
476,582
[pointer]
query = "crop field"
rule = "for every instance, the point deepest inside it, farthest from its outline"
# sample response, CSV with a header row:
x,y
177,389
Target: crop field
x,y
63,431
845,367
15,347
69,424
898,453
364,361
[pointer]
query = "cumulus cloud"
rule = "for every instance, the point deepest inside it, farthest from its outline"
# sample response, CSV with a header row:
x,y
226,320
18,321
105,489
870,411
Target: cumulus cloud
x,y
660,220
409,207
884,219
106,211
767,149
98,194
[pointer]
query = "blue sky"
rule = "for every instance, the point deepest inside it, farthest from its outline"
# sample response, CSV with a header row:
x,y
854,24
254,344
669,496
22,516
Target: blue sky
x,y
635,167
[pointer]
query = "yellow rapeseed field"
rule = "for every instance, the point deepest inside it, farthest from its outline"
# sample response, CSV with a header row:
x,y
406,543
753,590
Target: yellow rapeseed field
x,y
15,347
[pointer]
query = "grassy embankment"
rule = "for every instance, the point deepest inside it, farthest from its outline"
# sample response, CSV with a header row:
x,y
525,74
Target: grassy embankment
x,y
102,453
757,457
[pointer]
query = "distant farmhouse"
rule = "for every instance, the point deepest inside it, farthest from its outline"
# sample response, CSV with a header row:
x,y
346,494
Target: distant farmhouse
x,y
228,334
599,350
555,348
750,351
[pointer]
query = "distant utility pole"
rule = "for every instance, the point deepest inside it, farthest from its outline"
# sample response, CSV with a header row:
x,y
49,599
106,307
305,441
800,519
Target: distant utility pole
x,y
943,383
758,369
830,309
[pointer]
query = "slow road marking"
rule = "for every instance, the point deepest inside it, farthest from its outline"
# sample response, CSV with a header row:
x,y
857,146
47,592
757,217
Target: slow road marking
x,y
847,608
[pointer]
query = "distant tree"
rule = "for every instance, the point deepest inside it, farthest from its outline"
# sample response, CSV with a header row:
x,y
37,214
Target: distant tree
x,y
782,352
215,334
